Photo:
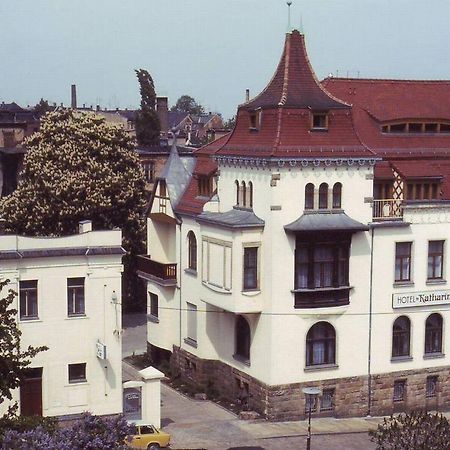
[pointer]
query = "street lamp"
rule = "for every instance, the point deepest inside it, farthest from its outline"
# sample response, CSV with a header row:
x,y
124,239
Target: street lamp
x,y
311,393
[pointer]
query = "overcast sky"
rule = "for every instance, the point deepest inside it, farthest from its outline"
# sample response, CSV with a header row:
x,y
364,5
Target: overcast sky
x,y
210,49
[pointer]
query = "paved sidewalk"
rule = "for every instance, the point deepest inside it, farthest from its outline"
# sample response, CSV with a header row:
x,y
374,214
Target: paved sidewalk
x,y
134,338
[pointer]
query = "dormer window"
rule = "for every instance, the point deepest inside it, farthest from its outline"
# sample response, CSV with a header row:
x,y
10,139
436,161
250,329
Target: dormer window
x,y
255,120
205,186
319,121
415,127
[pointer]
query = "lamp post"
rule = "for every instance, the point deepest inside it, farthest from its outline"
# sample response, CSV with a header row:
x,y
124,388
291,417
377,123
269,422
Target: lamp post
x,y
311,393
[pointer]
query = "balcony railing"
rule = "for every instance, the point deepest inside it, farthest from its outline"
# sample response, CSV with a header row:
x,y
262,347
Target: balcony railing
x,y
387,209
162,273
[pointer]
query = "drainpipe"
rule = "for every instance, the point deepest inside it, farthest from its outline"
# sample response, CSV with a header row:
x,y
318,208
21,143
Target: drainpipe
x,y
179,283
369,358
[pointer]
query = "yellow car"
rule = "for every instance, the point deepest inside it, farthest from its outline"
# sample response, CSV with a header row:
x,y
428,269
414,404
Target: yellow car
x,y
148,437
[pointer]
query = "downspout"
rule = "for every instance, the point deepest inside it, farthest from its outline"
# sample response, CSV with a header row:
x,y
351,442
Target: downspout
x,y
179,285
369,358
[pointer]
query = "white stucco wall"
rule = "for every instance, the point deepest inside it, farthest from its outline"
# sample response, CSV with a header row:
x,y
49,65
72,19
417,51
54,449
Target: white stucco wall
x,y
72,339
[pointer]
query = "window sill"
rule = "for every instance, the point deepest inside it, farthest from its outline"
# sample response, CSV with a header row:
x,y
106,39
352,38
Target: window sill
x,y
215,288
318,129
29,319
251,292
191,272
403,283
399,359
77,383
253,129
431,282
152,318
242,359
320,367
433,355
77,316
191,342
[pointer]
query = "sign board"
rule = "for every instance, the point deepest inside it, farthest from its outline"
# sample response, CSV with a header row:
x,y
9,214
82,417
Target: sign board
x,y
413,299
101,350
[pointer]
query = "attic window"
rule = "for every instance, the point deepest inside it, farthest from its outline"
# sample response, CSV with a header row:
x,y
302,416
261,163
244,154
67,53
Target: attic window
x,y
205,185
255,120
319,121
398,128
415,127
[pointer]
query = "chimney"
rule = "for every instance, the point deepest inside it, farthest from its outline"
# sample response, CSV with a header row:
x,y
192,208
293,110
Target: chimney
x,y
162,110
97,108
73,97
84,226
247,95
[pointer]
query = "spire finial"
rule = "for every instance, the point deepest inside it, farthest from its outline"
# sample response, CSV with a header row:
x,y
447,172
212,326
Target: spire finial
x,y
289,3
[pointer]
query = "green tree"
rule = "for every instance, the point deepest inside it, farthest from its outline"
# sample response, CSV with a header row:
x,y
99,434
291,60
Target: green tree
x,y
13,360
415,431
147,123
80,167
42,107
230,123
189,105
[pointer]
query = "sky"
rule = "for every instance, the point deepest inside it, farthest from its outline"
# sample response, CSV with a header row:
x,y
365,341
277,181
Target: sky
x,y
210,49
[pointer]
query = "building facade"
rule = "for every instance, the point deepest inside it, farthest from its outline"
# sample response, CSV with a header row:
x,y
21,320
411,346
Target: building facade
x,y
69,299
308,248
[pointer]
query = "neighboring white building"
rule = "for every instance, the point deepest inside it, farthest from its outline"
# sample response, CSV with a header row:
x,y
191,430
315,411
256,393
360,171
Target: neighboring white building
x,y
308,248
69,299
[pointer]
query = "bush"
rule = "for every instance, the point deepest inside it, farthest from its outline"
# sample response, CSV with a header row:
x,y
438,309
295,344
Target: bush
x,y
415,431
21,424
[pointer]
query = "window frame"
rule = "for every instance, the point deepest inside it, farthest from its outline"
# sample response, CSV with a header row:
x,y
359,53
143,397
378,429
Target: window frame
x,y
321,116
431,386
192,251
26,287
250,247
399,384
77,379
149,171
436,266
337,196
71,296
401,338
242,340
433,334
322,340
154,305
309,196
191,323
399,263
323,196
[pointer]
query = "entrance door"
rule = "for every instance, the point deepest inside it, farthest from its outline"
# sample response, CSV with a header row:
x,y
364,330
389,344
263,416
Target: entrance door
x,y
31,393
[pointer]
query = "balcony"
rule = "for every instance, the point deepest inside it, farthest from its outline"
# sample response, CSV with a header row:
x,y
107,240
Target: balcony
x,y
164,274
387,209
322,297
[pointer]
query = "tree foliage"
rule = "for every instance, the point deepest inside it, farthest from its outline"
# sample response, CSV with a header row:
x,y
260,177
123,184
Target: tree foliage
x,y
79,167
230,123
42,107
147,123
89,433
13,360
415,431
188,104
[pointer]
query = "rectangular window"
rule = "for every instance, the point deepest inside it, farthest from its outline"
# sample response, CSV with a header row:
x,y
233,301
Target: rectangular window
x,y
153,305
431,386
319,121
403,261
250,268
75,296
191,321
435,259
77,373
321,265
399,391
149,171
205,186
28,299
216,263
327,400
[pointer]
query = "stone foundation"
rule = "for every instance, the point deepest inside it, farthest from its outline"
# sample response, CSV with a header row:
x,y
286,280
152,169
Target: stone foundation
x,y
287,401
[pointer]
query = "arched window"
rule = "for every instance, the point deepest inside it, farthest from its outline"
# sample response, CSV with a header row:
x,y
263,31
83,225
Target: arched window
x,y
337,195
401,336
244,196
192,251
323,196
249,196
309,196
321,344
242,338
237,192
433,334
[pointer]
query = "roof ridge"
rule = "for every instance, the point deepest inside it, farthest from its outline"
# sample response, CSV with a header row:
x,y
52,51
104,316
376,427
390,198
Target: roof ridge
x,y
393,80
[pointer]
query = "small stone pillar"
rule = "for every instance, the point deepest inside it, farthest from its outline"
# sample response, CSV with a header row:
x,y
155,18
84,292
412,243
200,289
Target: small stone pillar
x,y
151,395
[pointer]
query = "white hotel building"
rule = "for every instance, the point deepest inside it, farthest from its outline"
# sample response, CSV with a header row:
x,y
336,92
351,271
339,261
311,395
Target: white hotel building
x,y
69,299
309,248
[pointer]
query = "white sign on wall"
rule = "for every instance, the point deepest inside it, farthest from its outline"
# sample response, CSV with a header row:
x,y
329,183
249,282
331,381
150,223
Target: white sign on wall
x,y
101,350
412,299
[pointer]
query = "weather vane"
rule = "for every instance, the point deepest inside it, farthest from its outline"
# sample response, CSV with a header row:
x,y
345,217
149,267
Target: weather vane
x,y
289,3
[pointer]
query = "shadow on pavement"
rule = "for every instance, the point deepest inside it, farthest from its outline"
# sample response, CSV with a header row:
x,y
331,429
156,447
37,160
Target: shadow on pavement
x,y
134,320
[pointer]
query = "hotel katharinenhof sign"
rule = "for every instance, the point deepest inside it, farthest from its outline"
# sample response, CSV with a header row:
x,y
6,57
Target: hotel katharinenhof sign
x,y
411,299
